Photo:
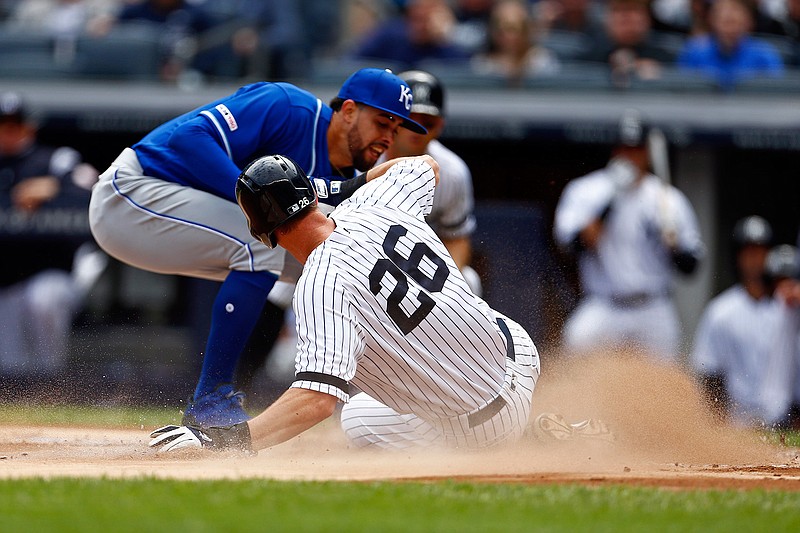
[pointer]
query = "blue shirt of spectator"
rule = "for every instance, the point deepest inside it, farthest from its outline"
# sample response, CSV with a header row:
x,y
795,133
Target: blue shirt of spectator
x,y
750,58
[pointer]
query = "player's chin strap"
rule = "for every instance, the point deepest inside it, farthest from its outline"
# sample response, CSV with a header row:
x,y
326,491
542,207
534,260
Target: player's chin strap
x,y
171,438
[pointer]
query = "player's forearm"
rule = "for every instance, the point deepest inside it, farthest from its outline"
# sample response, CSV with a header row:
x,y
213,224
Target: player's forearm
x,y
460,249
293,413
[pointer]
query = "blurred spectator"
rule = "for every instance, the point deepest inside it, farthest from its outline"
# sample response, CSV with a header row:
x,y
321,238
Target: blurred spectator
x,y
630,232
629,46
689,17
321,30
181,23
422,32
765,21
43,281
66,19
790,22
745,346
258,39
361,18
63,20
511,51
472,22
730,53
579,16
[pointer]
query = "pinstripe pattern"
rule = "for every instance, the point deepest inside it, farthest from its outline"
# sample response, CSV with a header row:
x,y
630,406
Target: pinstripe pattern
x,y
450,362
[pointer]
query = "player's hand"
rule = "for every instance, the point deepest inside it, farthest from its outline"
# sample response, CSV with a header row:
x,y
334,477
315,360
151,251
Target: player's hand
x,y
622,172
31,193
170,438
379,170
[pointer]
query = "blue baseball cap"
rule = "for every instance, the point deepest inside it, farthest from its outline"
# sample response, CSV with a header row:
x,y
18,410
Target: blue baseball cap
x,y
382,90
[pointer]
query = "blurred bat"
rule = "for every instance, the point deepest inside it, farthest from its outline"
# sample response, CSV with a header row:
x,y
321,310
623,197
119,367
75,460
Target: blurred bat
x,y
658,149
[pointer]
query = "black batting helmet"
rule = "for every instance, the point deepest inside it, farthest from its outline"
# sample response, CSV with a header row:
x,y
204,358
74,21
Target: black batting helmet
x,y
752,230
271,190
427,91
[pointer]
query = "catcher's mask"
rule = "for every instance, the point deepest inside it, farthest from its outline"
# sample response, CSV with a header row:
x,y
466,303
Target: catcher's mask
x,y
271,190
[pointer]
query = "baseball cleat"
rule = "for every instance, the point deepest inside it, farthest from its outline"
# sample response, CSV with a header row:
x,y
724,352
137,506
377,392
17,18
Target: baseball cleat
x,y
593,428
223,407
552,427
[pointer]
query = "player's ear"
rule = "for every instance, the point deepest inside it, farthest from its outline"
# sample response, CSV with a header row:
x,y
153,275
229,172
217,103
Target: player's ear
x,y
349,111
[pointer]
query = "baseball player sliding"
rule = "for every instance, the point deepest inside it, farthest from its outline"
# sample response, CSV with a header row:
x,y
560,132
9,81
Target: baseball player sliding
x,y
380,306
167,204
630,232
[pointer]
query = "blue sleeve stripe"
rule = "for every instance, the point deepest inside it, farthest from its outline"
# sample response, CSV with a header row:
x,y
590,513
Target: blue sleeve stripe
x,y
221,131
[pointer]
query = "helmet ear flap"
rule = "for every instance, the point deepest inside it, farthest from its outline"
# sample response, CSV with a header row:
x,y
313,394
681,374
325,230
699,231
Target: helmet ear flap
x,y
270,191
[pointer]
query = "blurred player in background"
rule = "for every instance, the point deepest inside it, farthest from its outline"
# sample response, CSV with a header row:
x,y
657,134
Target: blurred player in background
x,y
43,280
746,344
630,231
167,203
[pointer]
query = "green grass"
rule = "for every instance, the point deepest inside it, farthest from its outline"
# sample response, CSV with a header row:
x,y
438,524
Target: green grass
x,y
159,505
86,505
112,417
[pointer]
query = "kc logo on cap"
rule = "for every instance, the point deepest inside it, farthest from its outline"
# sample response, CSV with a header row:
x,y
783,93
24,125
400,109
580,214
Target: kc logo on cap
x,y
406,97
380,88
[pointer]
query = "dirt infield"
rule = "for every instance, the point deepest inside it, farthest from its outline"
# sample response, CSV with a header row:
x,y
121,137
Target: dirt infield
x,y
665,437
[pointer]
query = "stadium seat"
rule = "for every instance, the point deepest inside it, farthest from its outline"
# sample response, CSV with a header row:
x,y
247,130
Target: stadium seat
x,y
567,45
460,74
32,55
334,70
676,80
130,52
573,76
788,84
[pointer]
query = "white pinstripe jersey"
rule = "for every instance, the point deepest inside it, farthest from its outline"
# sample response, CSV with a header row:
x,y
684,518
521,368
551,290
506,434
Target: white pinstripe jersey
x,y
452,215
383,306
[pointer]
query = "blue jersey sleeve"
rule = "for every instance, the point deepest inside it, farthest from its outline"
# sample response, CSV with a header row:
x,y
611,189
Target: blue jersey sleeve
x,y
192,141
207,148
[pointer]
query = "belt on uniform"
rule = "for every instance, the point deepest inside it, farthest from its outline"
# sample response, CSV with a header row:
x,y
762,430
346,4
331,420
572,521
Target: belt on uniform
x,y
492,408
633,300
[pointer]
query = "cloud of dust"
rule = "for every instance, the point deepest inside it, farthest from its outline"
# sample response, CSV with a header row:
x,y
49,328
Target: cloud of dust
x,y
657,411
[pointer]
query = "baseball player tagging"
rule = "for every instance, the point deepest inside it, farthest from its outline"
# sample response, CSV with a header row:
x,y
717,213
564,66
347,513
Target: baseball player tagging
x,y
167,203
